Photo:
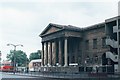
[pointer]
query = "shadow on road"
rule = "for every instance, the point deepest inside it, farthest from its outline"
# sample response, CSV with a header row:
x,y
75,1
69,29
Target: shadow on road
x,y
33,79
58,79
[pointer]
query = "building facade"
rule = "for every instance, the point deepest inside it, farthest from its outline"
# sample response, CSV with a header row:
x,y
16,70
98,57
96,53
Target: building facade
x,y
70,48
35,65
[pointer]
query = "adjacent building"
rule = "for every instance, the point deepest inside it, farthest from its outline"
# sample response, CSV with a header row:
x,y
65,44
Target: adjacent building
x,y
35,65
67,48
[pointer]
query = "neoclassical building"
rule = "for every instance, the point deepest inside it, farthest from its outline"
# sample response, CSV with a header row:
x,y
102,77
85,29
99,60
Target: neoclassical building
x,y
96,47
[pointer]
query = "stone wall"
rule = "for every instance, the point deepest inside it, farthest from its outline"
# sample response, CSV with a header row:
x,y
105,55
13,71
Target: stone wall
x,y
89,35
60,69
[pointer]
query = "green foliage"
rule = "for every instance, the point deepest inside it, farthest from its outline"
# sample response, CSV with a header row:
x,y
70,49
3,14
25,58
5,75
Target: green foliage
x,y
35,55
20,57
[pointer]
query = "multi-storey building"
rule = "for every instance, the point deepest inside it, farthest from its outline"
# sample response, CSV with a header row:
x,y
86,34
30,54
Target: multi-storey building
x,y
70,48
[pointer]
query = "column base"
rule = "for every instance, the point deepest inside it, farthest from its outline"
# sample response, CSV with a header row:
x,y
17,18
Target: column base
x,y
49,65
59,65
42,66
45,66
65,65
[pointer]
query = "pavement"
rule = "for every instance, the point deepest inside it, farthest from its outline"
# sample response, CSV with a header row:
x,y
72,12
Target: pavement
x,y
6,75
50,75
53,76
11,76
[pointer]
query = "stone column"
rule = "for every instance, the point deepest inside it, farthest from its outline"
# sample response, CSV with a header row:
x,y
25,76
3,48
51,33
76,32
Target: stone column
x,y
60,53
46,54
53,53
42,54
49,53
66,52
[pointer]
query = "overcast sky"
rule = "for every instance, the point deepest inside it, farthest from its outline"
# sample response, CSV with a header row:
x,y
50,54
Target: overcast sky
x,y
22,22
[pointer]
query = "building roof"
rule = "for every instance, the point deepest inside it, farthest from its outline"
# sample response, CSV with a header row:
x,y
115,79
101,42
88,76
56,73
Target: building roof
x,y
6,62
72,28
94,26
68,27
36,60
78,29
112,19
62,27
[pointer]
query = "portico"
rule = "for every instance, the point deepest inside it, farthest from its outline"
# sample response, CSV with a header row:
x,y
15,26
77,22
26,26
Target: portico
x,y
60,45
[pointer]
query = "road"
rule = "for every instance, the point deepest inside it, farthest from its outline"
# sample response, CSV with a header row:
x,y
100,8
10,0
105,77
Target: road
x,y
5,76
11,76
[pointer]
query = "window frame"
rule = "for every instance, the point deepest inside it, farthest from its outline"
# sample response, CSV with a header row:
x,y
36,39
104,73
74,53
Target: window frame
x,y
87,44
95,43
104,42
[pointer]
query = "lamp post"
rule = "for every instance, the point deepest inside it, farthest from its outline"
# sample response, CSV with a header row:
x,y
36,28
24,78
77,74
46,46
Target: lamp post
x,y
14,64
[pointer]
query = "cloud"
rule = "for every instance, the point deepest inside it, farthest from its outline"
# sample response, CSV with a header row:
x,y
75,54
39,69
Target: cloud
x,y
59,1
21,23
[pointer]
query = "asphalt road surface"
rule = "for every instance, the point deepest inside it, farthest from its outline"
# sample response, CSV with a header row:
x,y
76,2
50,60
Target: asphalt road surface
x,y
5,76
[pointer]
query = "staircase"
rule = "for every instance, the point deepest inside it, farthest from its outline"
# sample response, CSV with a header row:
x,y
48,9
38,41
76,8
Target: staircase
x,y
112,53
111,42
112,56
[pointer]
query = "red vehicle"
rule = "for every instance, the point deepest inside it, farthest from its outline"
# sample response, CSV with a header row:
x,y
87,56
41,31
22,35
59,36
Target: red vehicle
x,y
6,66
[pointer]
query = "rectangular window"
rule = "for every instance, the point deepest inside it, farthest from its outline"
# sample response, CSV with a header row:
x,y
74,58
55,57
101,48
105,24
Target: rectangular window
x,y
119,38
94,43
119,24
104,42
87,44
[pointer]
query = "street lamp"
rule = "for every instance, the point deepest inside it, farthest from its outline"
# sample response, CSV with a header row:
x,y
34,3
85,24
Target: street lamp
x,y
14,64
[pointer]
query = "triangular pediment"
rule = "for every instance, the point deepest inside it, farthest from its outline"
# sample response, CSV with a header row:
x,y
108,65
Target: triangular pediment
x,y
51,28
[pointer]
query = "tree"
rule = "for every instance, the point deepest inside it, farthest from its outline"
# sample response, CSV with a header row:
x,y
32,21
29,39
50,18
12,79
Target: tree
x,y
20,57
35,55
